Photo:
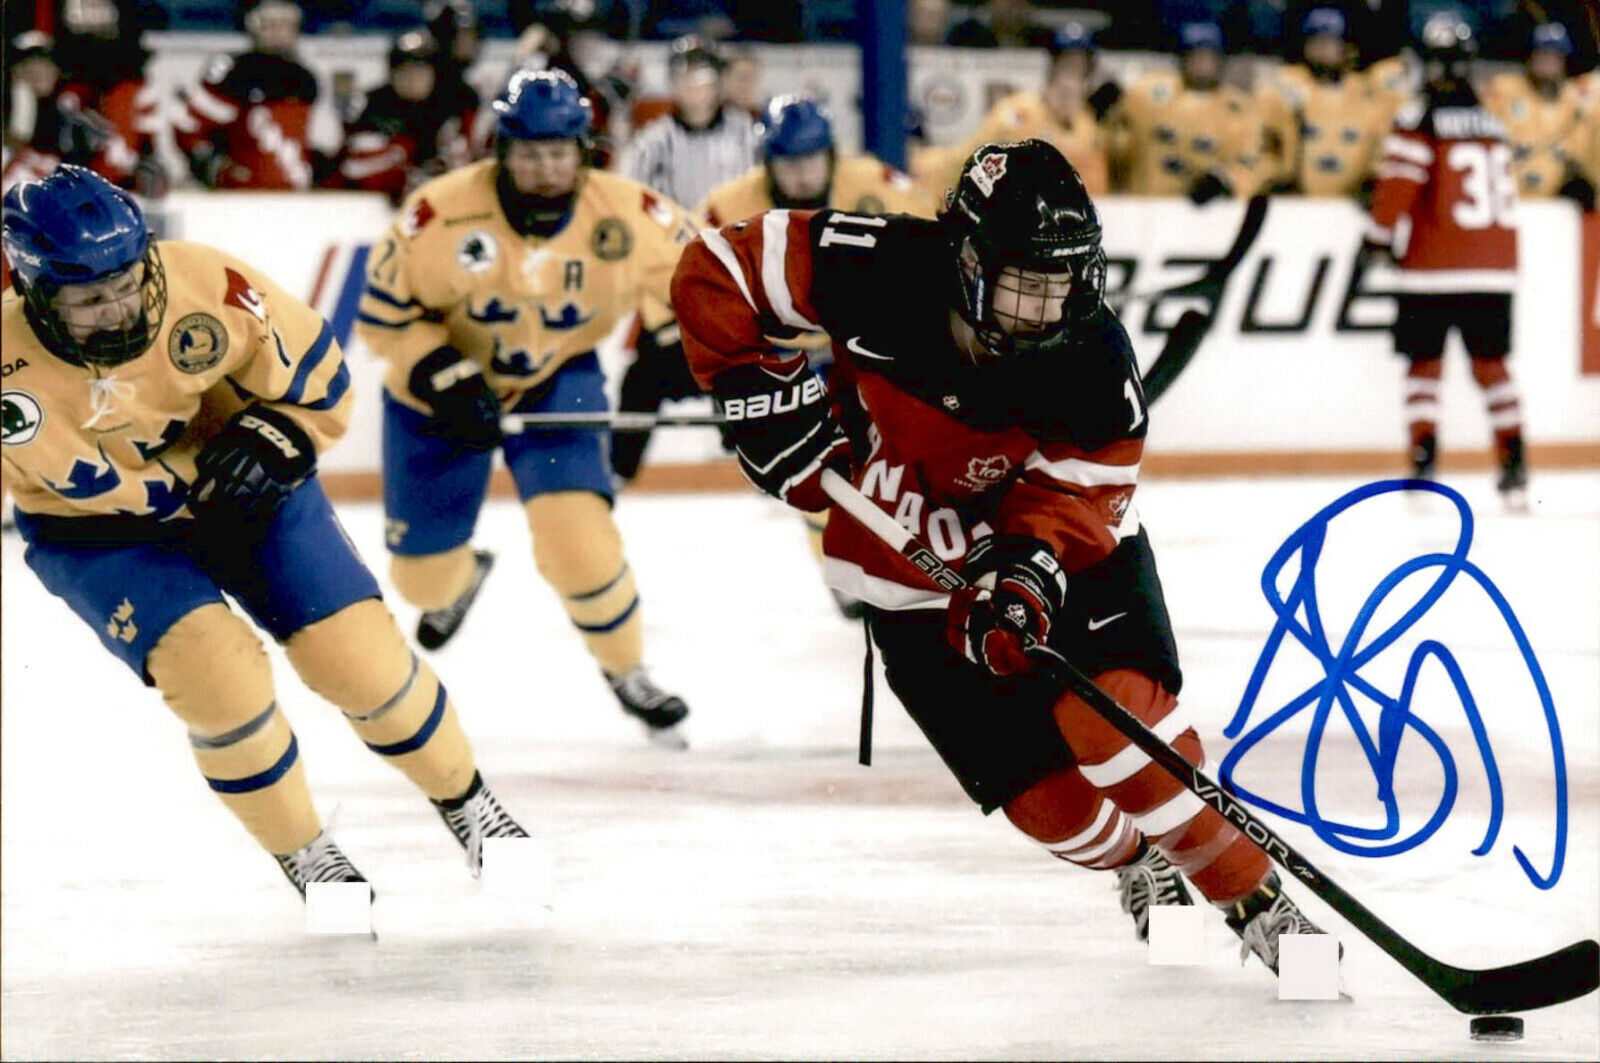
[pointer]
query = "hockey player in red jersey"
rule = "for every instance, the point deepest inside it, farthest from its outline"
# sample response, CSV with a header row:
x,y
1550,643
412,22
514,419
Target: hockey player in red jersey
x,y
244,124
1447,168
1004,423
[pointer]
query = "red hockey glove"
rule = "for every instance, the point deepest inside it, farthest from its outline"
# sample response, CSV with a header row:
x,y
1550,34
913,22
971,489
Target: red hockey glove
x,y
992,627
783,429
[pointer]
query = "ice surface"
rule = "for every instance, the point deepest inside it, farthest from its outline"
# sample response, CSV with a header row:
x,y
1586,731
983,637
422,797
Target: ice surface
x,y
763,895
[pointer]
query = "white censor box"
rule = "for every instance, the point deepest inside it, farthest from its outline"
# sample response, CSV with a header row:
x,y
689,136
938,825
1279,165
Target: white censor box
x,y
518,879
1308,967
338,908
1177,935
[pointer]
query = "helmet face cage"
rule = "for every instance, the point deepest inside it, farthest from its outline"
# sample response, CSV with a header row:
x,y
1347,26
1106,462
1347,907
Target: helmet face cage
x,y
106,348
1023,207
75,227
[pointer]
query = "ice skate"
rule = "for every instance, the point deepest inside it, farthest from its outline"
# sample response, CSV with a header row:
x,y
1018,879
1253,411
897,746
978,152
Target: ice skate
x,y
1424,459
659,711
474,816
320,860
1263,917
1147,881
438,625
1513,481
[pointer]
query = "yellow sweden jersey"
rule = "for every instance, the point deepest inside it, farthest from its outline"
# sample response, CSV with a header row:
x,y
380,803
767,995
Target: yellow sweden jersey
x,y
1545,134
861,185
1165,136
452,271
1324,137
1025,116
81,442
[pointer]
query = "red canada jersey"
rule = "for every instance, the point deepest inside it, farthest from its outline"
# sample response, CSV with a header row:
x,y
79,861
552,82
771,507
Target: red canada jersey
x,y
1045,446
254,109
1447,167
131,111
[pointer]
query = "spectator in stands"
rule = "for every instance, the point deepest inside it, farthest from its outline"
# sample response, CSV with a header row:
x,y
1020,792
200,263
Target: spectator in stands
x,y
703,141
405,133
1324,121
1544,114
1187,133
1058,112
244,124
454,25
1009,25
64,125
927,22
741,81
104,63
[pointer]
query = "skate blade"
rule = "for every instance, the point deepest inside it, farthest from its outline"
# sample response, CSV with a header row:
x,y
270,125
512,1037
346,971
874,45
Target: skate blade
x,y
1516,501
673,738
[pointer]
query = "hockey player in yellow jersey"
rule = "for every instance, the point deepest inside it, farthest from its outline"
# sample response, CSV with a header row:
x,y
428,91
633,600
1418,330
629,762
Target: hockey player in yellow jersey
x,y
1059,112
164,408
801,170
1188,133
487,297
1544,112
1324,121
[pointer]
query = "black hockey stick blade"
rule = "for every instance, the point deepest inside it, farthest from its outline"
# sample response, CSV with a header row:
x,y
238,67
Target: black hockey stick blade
x,y
1564,975
1183,343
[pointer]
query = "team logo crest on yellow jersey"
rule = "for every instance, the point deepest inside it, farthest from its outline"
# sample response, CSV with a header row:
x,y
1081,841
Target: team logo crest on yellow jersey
x,y
611,240
197,343
869,205
477,251
20,417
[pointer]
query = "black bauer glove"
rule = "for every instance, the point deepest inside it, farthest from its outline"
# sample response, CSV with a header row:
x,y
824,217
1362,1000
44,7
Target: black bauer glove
x,y
1207,188
993,626
245,474
783,430
464,406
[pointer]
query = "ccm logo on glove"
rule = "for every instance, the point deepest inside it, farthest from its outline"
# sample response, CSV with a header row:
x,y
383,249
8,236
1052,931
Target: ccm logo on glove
x,y
270,433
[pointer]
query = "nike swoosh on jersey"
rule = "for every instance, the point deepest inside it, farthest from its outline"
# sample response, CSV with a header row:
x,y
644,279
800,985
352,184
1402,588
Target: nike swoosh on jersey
x,y
854,344
1096,625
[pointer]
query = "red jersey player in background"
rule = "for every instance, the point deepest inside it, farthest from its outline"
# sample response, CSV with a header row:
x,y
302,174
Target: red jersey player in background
x,y
1005,424
408,130
1447,168
244,125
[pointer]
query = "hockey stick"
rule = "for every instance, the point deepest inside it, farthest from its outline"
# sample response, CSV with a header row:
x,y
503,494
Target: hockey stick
x,y
1183,341
1216,275
513,423
1563,975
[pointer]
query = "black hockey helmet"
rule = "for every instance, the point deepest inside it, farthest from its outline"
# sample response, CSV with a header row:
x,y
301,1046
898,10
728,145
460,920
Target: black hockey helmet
x,y
1022,205
1446,45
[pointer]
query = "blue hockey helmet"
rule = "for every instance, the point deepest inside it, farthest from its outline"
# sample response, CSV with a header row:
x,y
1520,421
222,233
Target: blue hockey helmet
x,y
543,105
75,227
1323,22
795,125
1196,35
1551,36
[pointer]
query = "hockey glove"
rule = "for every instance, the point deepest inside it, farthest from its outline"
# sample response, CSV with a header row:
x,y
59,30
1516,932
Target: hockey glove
x,y
783,430
245,474
465,408
1023,588
1208,188
1580,190
1102,99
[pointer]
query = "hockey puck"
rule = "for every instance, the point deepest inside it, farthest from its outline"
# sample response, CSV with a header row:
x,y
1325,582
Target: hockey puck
x,y
1497,1028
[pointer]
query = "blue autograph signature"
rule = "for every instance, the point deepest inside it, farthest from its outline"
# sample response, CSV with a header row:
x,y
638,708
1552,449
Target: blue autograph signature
x,y
1342,675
